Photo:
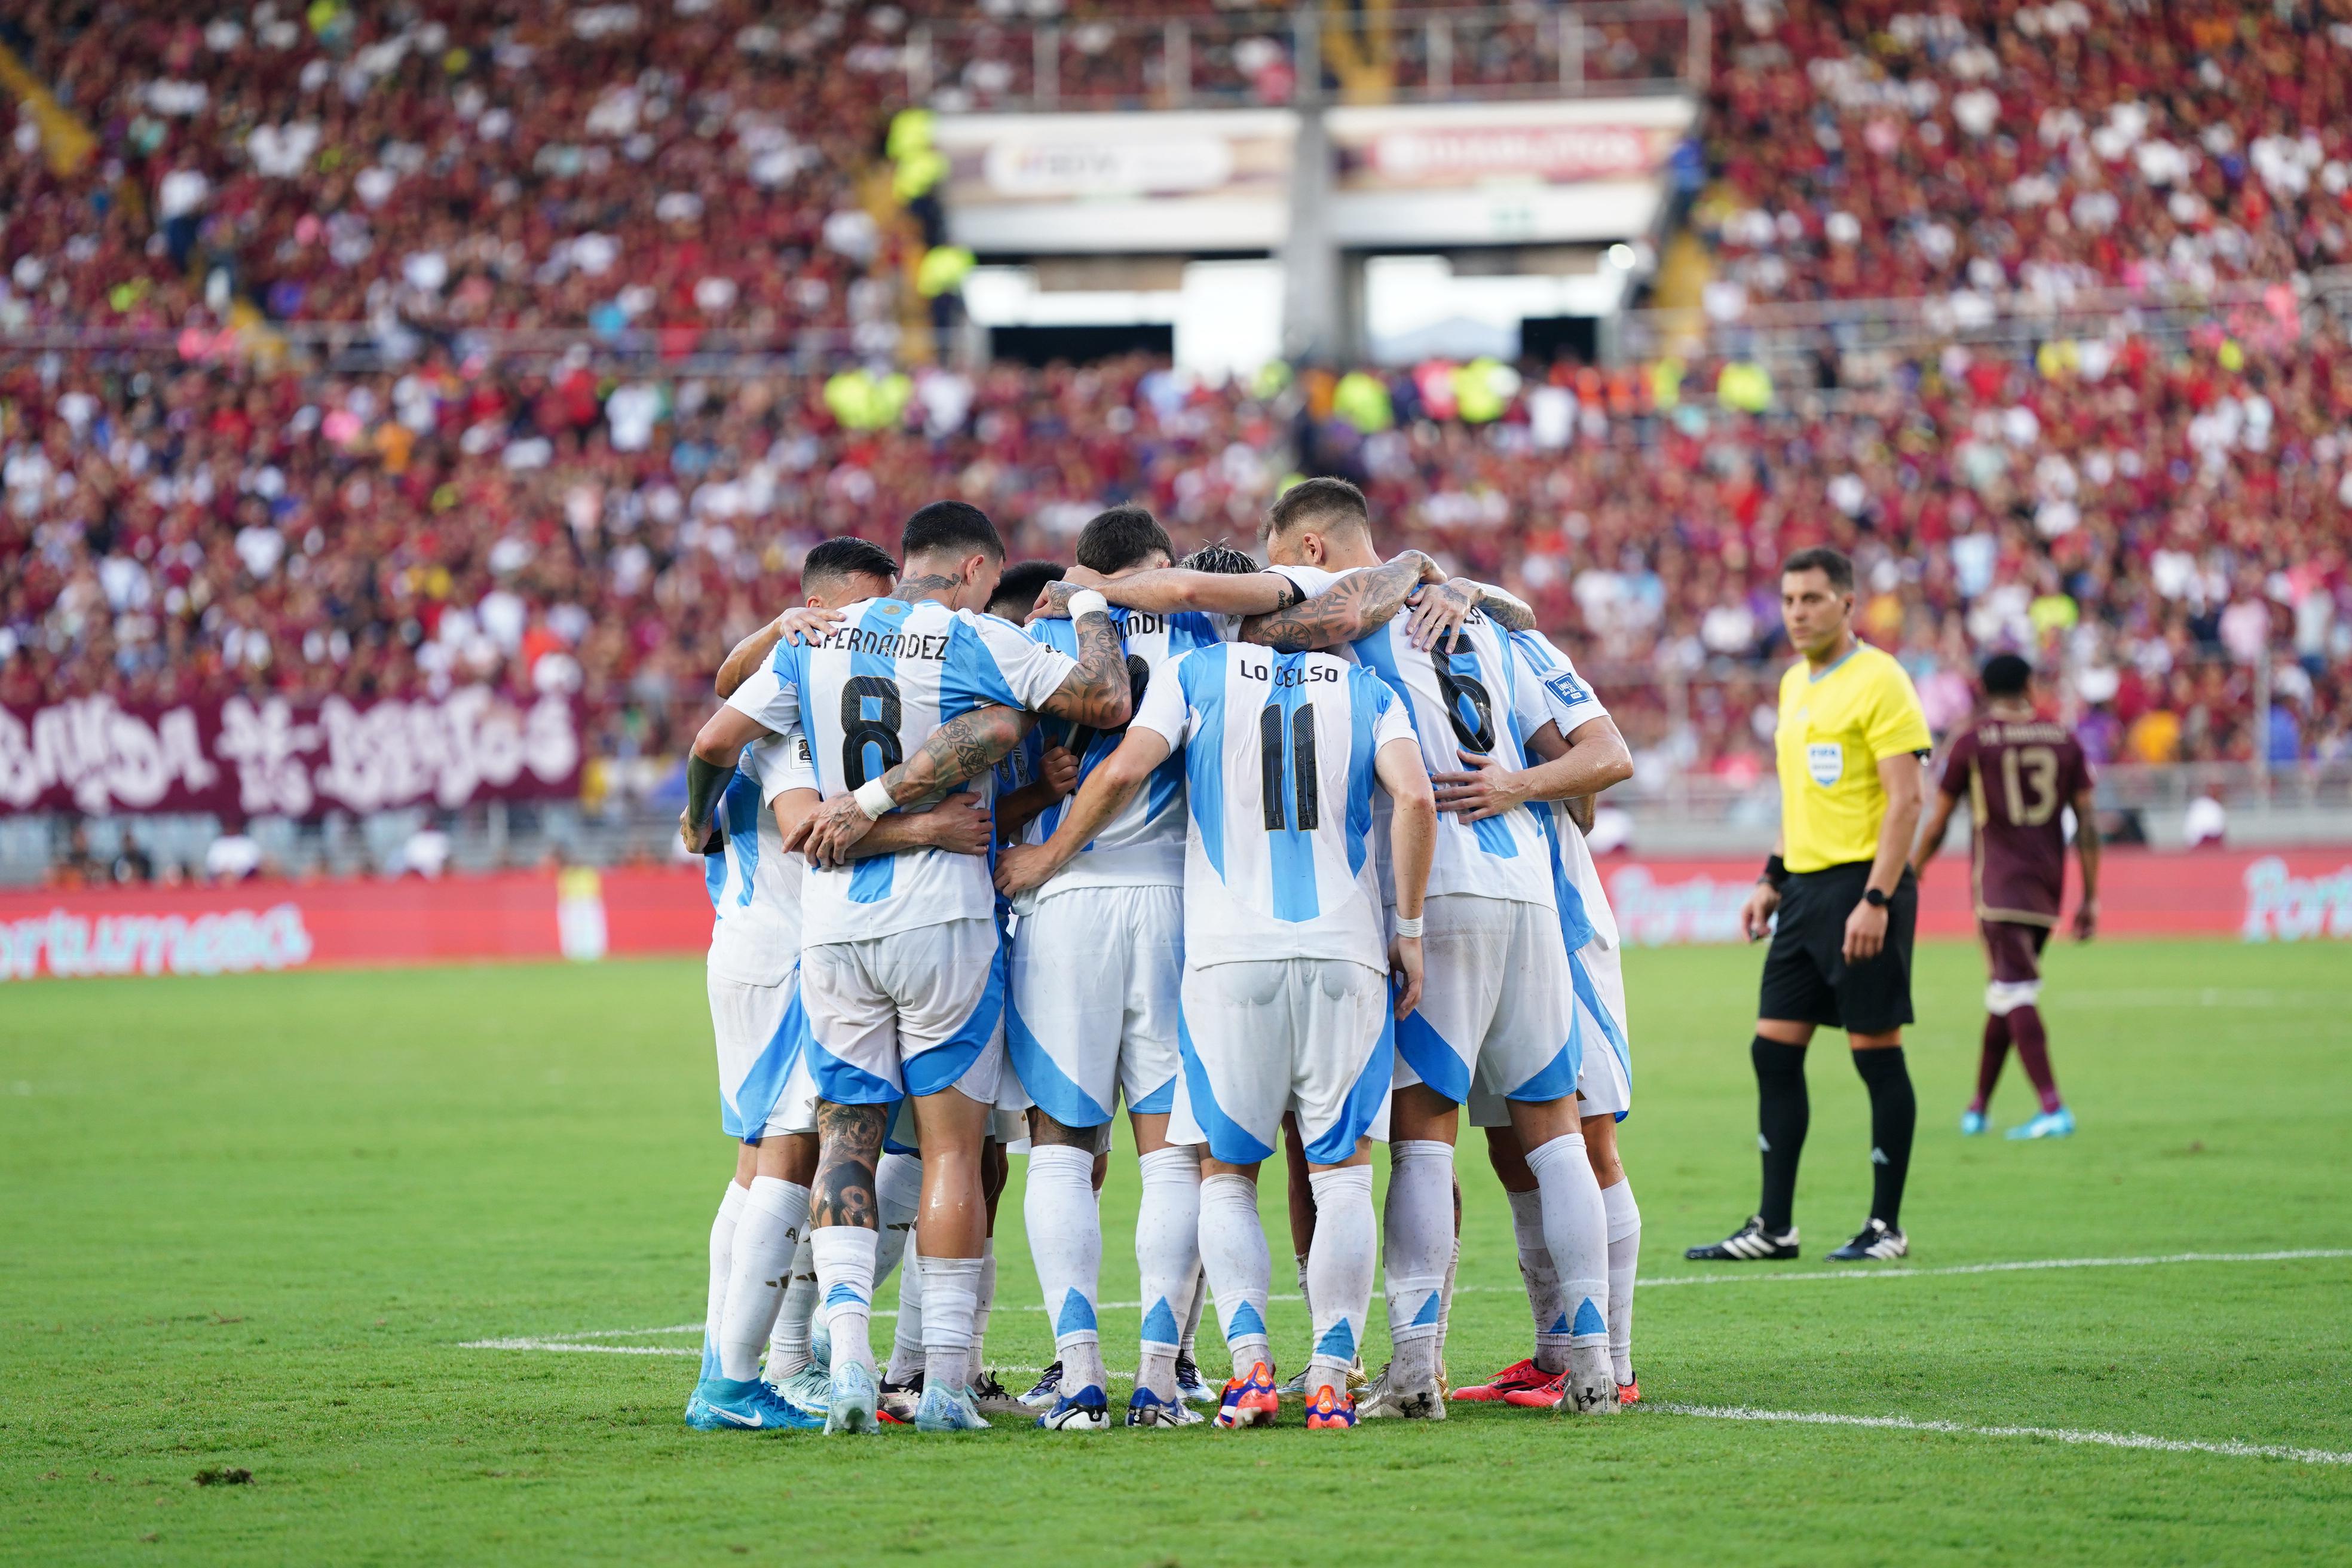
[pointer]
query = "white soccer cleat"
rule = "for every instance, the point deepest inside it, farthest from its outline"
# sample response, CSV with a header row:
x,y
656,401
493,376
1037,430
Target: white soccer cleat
x,y
850,1401
946,1409
1382,1399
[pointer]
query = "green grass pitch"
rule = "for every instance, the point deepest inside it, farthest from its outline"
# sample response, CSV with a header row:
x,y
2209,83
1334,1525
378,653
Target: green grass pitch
x,y
252,1222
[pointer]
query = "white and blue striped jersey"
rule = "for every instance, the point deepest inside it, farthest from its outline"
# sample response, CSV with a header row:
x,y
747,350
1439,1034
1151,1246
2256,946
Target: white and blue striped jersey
x,y
755,886
1478,698
1143,846
868,694
1278,783
1570,703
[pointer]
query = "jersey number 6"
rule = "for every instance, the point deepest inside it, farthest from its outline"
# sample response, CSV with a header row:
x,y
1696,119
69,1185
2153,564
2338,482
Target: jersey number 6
x,y
858,732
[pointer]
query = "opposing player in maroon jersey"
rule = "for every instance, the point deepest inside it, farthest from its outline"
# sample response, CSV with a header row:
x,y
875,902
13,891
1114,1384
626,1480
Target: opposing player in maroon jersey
x,y
2017,769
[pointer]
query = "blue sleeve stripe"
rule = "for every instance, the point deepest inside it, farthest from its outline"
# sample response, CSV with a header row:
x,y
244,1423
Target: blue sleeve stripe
x,y
1290,849
969,676
1202,678
1367,696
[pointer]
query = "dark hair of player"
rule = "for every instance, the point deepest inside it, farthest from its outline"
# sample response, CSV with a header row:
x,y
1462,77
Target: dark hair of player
x,y
1834,564
1122,537
1018,589
839,558
950,527
1222,559
2006,675
1328,504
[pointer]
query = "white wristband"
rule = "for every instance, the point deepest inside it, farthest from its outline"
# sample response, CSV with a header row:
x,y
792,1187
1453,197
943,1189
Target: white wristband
x,y
1408,925
1087,602
873,798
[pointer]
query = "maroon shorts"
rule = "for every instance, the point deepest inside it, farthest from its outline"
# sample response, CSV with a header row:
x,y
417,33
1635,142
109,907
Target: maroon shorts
x,y
2014,948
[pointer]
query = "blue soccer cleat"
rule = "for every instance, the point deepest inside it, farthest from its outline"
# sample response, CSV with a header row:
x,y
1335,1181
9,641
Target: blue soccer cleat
x,y
2058,1124
1148,1409
946,1409
1972,1124
722,1404
809,1389
850,1399
1084,1411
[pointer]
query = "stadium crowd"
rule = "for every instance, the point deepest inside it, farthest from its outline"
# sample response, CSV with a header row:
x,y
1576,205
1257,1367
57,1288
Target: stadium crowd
x,y
2163,514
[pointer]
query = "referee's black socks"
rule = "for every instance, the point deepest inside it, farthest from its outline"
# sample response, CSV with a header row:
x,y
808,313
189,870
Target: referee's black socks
x,y
1782,1114
1894,1112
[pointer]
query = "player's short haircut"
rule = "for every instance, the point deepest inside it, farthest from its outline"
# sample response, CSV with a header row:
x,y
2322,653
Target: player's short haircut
x,y
1122,537
1020,587
1834,564
1222,559
952,527
2007,675
1326,503
839,558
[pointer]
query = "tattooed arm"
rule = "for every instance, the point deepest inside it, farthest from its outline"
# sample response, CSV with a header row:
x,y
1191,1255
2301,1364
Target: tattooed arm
x,y
1359,602
708,766
1167,589
1107,789
1505,610
963,748
1099,693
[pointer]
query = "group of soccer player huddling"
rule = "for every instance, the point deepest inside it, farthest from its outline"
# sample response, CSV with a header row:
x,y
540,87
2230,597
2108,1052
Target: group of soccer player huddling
x,y
1290,858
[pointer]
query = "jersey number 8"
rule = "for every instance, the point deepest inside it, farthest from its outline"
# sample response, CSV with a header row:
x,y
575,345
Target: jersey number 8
x,y
1458,689
858,732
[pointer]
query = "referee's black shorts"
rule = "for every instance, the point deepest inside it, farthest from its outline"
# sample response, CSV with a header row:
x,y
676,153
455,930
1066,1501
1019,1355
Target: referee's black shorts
x,y
1806,977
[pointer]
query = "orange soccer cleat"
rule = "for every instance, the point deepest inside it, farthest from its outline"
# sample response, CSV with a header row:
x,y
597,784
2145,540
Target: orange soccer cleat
x,y
1330,1411
1517,1375
1250,1401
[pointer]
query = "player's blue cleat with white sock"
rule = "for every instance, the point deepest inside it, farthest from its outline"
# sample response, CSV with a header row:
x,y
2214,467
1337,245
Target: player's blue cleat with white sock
x,y
1972,1124
850,1400
1084,1411
946,1409
721,1404
809,1389
2058,1124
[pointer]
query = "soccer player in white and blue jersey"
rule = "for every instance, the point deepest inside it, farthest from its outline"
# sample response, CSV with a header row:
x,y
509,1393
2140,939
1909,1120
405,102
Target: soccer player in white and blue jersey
x,y
1284,1009
755,1012
1497,1013
901,972
1579,752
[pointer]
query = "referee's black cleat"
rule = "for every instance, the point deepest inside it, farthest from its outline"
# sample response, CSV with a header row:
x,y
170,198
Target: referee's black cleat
x,y
1878,1239
1749,1243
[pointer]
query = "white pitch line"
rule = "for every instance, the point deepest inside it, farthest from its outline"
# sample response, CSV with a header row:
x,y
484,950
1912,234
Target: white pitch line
x,y
2055,1434
573,1345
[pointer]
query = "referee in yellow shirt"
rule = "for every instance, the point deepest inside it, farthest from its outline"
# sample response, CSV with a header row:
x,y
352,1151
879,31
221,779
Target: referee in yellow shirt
x,y
1851,747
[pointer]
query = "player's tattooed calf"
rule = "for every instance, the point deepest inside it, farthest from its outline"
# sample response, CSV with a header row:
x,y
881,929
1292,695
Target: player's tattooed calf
x,y
850,1141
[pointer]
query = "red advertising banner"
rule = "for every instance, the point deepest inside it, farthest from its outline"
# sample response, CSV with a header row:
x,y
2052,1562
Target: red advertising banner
x,y
237,757
2289,896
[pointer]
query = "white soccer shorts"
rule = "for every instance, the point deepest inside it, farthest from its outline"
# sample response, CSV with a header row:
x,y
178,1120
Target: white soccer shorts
x,y
763,1034
1497,1013
1605,1082
1313,1036
913,1012
1096,975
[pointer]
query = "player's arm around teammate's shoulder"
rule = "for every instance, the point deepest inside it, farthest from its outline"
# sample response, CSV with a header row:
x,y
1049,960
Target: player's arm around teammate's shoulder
x,y
1357,602
1099,693
1577,767
961,749
1150,737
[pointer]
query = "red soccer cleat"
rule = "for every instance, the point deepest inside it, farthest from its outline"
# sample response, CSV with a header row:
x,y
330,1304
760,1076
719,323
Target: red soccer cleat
x,y
1545,1397
1517,1375
1251,1401
1629,1392
1330,1411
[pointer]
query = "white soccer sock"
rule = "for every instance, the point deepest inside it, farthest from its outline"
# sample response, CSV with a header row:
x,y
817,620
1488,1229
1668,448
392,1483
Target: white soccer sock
x,y
983,1301
1445,1301
767,1233
1419,1227
1199,1289
1240,1265
722,1246
1305,1294
906,1334
1346,1239
899,1194
1167,1261
1543,1280
843,1255
788,1347
1576,1230
951,1295
1624,1260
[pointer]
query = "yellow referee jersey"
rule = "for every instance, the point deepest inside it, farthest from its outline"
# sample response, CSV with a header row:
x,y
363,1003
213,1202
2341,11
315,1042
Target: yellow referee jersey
x,y
1835,727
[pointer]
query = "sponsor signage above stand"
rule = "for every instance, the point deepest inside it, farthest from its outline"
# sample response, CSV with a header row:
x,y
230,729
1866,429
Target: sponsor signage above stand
x,y
1425,175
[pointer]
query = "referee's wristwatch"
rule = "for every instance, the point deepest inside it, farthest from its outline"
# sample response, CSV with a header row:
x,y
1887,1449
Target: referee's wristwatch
x,y
1873,898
